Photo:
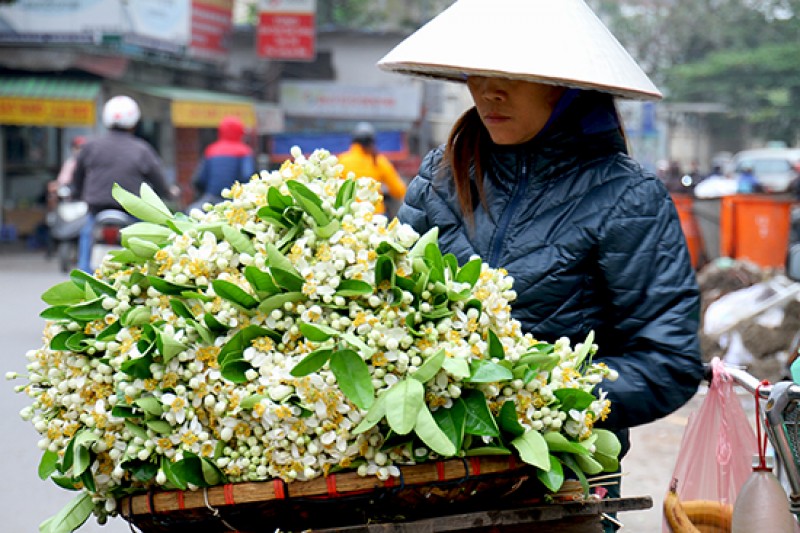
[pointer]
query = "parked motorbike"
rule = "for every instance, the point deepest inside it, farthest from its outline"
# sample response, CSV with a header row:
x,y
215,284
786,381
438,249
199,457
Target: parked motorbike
x,y
107,235
65,223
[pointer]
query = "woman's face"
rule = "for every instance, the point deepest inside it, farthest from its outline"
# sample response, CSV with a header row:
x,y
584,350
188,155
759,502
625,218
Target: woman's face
x,y
513,111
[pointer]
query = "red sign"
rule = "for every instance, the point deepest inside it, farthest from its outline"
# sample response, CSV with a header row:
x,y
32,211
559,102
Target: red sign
x,y
211,28
284,35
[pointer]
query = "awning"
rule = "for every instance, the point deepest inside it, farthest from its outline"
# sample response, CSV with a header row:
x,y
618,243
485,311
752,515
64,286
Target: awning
x,y
43,101
196,108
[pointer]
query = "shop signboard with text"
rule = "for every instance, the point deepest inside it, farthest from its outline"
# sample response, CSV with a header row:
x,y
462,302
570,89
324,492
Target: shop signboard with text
x,y
287,30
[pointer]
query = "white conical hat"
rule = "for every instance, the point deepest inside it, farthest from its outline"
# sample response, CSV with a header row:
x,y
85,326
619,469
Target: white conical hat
x,y
561,42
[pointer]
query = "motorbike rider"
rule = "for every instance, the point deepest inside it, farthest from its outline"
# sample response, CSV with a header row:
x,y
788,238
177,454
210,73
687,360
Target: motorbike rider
x,y
114,157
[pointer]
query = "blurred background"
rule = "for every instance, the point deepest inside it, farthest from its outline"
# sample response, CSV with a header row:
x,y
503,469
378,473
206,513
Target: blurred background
x,y
302,72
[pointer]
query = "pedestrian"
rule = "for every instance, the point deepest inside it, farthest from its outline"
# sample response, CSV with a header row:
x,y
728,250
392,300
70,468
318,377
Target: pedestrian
x,y
64,178
535,178
364,159
747,182
117,156
227,160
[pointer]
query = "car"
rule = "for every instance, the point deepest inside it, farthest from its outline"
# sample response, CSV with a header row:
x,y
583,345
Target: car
x,y
774,168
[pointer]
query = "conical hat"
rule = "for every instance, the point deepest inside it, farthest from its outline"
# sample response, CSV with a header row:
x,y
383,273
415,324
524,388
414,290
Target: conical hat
x,y
561,42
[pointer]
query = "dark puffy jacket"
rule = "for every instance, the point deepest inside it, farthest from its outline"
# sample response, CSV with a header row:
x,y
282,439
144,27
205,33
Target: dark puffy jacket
x,y
226,160
593,242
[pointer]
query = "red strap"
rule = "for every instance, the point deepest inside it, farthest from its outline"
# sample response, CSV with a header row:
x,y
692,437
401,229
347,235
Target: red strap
x,y
278,487
476,466
228,492
512,462
440,470
761,442
390,482
181,503
331,482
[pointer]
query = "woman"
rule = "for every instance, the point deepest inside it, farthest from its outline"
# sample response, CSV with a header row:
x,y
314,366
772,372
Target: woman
x,y
536,179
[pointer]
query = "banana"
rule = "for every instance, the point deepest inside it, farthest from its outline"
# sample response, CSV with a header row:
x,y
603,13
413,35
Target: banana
x,y
709,512
674,513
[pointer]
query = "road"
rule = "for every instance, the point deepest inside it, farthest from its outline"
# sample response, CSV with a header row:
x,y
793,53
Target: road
x,y
25,501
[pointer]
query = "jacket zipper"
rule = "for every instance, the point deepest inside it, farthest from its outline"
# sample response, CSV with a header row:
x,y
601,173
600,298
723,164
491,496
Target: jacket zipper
x,y
519,189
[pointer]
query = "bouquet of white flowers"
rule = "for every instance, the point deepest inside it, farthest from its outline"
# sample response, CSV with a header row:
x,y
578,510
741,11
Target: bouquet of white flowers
x,y
291,332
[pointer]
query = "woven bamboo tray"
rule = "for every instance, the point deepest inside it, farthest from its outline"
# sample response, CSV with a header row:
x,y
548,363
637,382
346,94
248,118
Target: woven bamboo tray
x,y
422,491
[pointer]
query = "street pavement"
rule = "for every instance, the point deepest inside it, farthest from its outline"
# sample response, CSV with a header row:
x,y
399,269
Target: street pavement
x,y
25,500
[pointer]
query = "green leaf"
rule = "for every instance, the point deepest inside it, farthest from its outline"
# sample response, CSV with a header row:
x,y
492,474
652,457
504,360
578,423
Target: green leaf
x,y
110,332
146,231
309,201
384,270
159,426
180,308
588,465
496,350
241,340
233,293
557,442
585,349
316,333
278,201
48,464
479,420
353,377
148,208
211,474
403,403
64,293
328,229
142,248
607,449
418,250
432,435
71,516
150,405
553,479
87,311
354,287
172,477
277,301
139,367
573,399
532,449
168,346
487,450
276,259
167,287
508,419
250,401
470,272
452,421
374,415
456,367
287,279
433,257
81,459
240,242
311,363
261,281
85,280
430,367
59,342
236,371
346,193
482,371
56,313
356,342
190,470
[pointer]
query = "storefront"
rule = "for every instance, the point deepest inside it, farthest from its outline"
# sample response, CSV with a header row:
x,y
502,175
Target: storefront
x,y
39,117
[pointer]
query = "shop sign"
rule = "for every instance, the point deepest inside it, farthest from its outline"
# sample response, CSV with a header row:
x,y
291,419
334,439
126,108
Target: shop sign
x,y
331,100
36,112
211,28
286,30
193,114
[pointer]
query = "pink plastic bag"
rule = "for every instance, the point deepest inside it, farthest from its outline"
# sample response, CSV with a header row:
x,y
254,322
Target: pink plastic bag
x,y
718,445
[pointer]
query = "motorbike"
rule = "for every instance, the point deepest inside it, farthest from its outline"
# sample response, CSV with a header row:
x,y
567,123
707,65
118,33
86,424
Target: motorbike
x,y
65,223
106,235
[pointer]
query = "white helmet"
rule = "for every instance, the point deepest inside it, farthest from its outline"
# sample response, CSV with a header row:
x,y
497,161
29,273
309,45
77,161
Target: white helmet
x,y
121,112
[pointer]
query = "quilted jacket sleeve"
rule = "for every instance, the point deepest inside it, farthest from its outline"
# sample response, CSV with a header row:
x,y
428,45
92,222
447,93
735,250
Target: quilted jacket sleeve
x,y
413,211
654,296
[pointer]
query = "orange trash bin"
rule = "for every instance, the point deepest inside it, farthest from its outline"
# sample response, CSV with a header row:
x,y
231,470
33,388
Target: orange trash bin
x,y
691,231
755,227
